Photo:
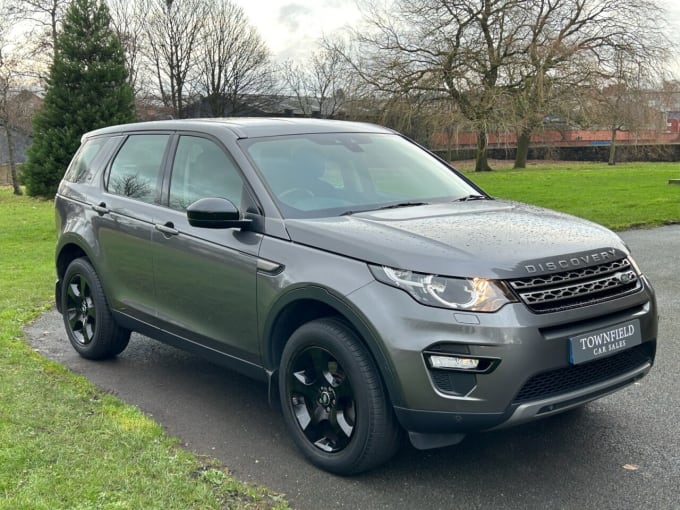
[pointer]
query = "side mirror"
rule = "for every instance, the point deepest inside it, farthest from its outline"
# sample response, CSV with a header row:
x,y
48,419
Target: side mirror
x,y
215,213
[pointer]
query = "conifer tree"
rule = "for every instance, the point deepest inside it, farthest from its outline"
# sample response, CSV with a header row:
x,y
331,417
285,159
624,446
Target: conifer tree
x,y
87,88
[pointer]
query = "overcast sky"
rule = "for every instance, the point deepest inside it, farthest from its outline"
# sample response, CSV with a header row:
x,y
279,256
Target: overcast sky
x,y
292,28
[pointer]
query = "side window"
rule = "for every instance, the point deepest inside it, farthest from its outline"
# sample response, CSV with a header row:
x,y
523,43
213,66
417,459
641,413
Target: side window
x,y
81,164
135,169
201,169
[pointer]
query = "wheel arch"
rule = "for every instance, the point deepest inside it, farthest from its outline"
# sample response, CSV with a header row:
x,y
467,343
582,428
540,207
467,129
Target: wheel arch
x,y
66,253
300,306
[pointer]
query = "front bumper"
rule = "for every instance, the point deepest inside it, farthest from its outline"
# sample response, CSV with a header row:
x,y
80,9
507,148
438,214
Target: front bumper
x,y
533,350
429,429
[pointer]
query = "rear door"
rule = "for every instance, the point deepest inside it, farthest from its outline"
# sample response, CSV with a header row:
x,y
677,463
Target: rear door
x,y
205,278
124,225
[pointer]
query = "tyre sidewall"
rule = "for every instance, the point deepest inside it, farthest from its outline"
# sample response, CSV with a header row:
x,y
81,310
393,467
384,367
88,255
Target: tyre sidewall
x,y
319,334
103,343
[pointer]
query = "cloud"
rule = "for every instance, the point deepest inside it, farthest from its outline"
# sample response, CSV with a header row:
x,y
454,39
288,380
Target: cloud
x,y
293,28
337,4
291,15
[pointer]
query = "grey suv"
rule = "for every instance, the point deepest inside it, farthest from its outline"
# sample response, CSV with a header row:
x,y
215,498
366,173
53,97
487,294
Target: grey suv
x,y
374,288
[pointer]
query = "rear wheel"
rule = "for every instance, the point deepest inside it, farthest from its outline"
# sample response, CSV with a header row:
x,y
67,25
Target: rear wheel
x,y
333,400
91,328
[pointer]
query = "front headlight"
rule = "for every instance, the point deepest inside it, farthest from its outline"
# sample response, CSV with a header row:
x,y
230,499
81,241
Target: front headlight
x,y
467,294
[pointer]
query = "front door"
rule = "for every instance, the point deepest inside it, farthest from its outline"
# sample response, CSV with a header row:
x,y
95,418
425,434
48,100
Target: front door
x,y
205,278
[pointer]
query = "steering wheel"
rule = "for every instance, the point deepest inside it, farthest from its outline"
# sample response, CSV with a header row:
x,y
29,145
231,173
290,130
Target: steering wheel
x,y
295,194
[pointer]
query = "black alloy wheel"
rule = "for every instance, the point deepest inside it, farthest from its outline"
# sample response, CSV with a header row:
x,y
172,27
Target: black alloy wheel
x,y
91,329
80,309
333,400
322,398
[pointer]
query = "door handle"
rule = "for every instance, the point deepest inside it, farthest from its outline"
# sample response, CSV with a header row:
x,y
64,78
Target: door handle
x,y
100,209
168,229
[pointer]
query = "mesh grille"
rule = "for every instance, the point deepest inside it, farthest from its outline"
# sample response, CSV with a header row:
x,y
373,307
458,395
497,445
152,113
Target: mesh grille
x,y
453,382
576,288
575,377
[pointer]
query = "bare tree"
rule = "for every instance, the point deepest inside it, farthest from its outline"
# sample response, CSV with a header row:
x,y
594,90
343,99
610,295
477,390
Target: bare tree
x,y
456,48
235,61
128,20
44,20
626,101
323,85
46,14
173,30
571,42
10,109
484,53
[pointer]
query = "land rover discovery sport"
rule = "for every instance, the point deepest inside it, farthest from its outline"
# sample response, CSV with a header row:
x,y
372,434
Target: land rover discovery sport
x,y
375,288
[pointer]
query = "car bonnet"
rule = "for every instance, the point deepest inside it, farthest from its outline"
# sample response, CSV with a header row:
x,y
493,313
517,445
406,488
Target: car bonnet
x,y
490,239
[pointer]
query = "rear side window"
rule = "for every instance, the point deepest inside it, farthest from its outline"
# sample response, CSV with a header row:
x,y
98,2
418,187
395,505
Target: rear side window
x,y
81,164
136,168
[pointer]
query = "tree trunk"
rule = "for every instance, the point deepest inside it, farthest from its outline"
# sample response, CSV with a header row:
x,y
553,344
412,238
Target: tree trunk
x,y
523,140
612,149
12,161
482,160
218,105
449,144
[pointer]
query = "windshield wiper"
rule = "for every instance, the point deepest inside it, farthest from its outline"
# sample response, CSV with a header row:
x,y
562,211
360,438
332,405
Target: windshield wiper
x,y
382,208
469,198
400,204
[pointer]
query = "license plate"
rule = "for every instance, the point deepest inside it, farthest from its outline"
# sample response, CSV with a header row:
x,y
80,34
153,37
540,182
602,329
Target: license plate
x,y
604,342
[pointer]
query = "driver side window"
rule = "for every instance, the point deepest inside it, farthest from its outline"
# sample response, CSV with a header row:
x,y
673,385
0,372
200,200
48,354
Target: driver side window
x,y
202,169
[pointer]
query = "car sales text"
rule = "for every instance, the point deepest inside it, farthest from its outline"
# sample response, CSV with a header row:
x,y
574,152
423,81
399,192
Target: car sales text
x,y
607,341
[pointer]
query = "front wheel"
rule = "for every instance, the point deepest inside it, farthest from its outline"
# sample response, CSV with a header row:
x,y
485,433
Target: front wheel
x,y
333,400
90,327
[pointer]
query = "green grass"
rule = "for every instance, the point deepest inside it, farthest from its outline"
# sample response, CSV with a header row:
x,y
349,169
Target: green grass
x,y
628,195
63,443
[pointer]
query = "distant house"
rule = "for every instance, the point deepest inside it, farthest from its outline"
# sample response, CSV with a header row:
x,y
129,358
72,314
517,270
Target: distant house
x,y
31,101
249,105
21,142
26,103
673,122
253,105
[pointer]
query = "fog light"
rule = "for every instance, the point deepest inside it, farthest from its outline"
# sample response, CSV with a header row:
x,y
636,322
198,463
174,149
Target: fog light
x,y
453,362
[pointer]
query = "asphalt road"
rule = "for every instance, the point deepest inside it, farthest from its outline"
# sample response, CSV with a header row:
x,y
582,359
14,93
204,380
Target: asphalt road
x,y
620,452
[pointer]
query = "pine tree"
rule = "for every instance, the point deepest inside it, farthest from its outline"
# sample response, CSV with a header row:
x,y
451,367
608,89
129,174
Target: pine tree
x,y
87,89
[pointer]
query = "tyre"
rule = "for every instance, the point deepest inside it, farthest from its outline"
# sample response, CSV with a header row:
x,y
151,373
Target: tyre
x,y
333,400
91,328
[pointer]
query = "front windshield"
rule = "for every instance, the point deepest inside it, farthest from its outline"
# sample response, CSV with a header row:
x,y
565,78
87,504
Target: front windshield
x,y
330,174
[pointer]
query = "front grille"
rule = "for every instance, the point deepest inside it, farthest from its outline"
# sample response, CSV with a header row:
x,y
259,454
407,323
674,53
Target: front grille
x,y
578,287
576,377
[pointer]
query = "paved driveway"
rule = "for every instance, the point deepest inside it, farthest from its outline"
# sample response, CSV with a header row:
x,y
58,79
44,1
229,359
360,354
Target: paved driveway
x,y
621,452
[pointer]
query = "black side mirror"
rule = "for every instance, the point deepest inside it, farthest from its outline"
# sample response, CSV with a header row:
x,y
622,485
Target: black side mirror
x,y
215,213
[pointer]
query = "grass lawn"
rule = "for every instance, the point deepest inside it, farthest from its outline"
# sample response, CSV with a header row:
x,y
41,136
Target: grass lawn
x,y
63,443
628,195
